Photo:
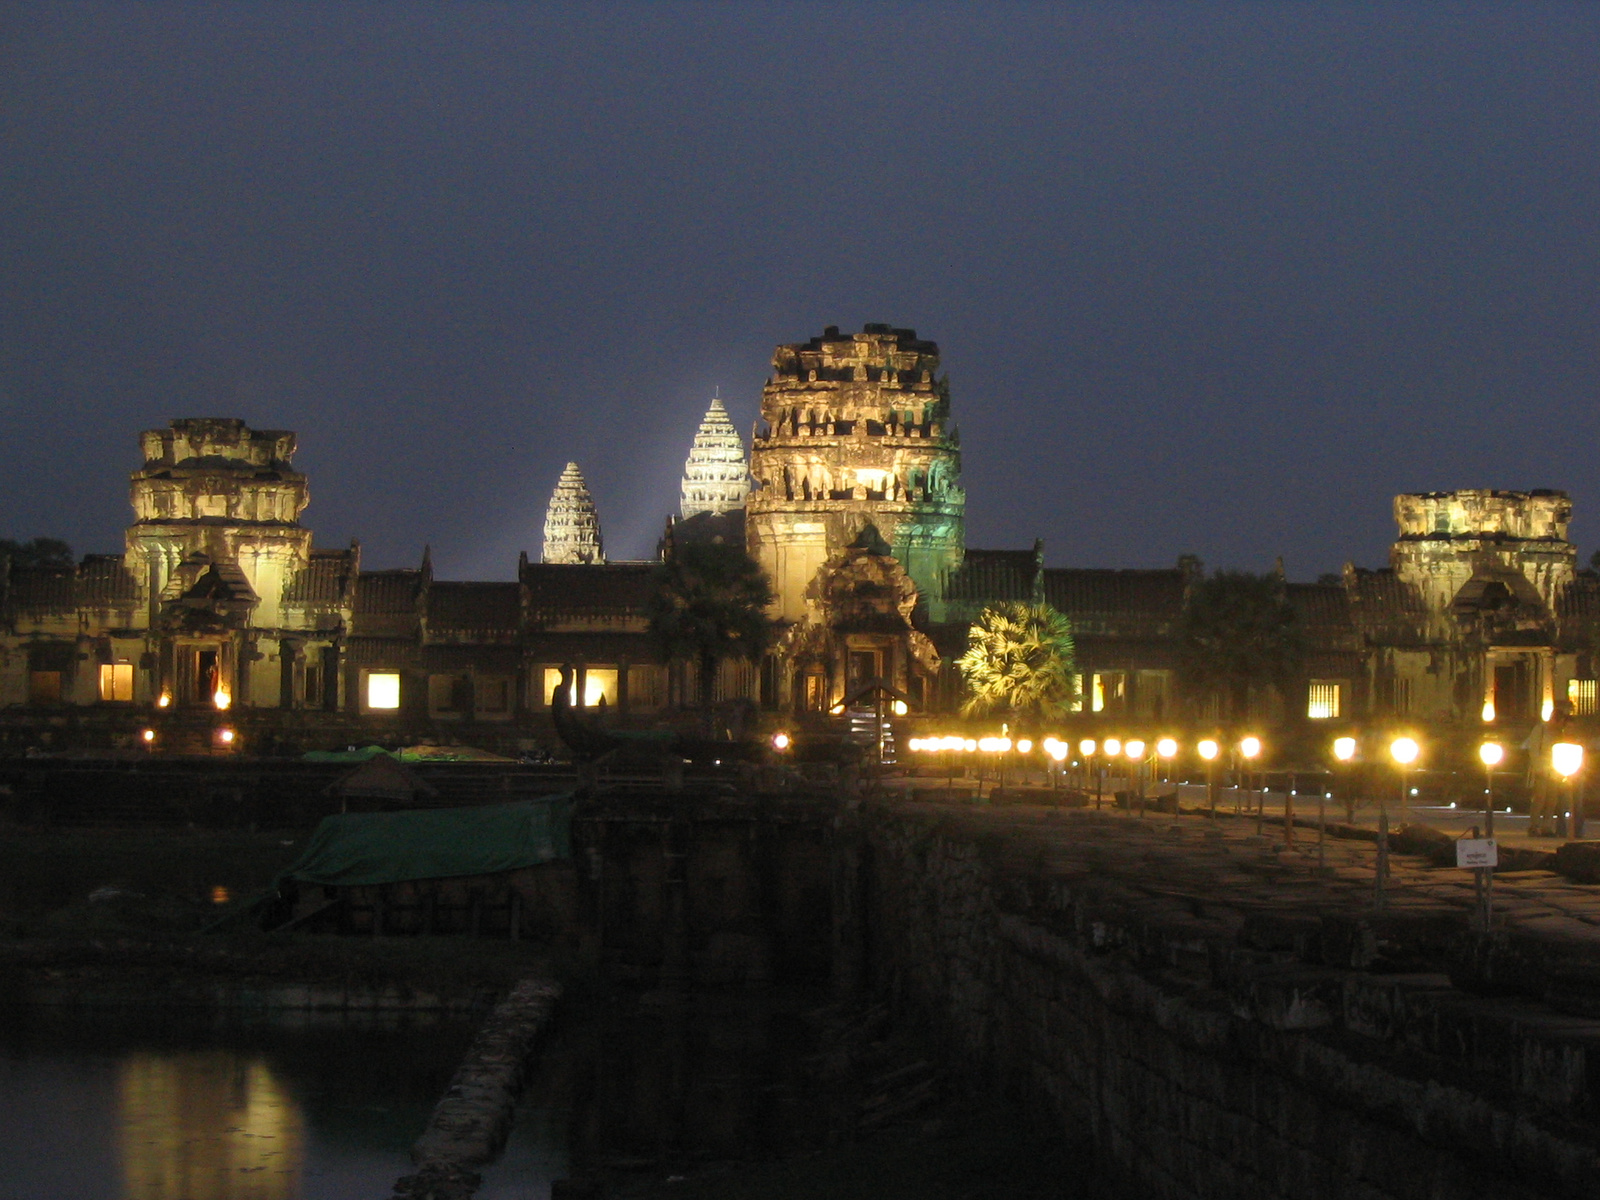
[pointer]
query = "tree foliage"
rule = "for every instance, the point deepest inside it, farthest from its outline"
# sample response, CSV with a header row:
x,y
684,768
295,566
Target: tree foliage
x,y
1020,659
710,603
40,552
1239,632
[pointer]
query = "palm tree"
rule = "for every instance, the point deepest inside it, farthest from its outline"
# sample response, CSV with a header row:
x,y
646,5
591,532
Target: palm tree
x,y
710,603
1239,632
1020,659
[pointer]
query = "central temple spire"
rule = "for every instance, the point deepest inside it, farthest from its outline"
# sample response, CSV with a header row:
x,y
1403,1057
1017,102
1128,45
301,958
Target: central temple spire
x,y
571,523
715,478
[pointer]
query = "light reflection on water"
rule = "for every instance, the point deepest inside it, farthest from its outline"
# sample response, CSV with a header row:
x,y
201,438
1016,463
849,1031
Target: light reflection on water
x,y
209,1124
128,1105
124,1105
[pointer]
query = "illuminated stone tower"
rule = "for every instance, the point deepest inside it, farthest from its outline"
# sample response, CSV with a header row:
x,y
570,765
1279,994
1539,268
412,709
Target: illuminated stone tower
x,y
215,542
1448,538
213,491
571,523
857,433
715,478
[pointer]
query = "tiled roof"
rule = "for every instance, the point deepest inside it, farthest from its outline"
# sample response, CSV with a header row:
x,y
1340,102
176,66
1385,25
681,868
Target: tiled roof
x,y
387,592
323,580
1321,607
1379,596
992,576
1106,593
619,589
1580,599
103,581
475,606
41,589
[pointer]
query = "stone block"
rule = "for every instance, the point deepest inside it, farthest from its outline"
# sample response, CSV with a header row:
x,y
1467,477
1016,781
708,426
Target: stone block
x,y
1579,861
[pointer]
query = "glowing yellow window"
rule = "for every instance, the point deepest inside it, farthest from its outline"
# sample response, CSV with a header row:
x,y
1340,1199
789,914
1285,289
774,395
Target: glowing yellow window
x,y
383,689
1322,701
116,681
599,683
1106,690
1581,694
552,682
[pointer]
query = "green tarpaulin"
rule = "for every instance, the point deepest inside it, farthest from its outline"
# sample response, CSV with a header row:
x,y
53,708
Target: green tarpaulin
x,y
343,756
367,848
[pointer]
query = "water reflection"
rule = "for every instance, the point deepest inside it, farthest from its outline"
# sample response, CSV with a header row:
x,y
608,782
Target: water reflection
x,y
127,1105
210,1125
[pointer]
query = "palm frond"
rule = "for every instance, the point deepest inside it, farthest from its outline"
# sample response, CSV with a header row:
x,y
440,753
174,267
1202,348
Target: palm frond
x,y
1020,658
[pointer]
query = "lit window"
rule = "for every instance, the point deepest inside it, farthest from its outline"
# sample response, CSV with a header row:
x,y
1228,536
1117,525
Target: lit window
x,y
1581,694
552,681
600,683
383,689
1323,700
1106,690
116,681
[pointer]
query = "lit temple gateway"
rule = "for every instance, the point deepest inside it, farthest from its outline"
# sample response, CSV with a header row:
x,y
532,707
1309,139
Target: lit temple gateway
x,y
852,502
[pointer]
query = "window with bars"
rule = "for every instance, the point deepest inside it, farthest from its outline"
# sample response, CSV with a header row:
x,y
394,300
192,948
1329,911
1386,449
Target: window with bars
x,y
1582,695
1323,699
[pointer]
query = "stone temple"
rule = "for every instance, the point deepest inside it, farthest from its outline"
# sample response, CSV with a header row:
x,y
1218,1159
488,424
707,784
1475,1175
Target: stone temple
x,y
571,523
716,478
851,501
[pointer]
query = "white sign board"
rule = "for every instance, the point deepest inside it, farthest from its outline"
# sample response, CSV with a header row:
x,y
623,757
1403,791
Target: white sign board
x,y
1476,852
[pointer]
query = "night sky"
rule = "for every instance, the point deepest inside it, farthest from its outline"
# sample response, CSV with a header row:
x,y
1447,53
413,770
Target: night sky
x,y
1212,279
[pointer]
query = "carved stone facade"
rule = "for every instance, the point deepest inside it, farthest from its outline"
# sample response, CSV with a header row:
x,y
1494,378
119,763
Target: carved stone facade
x,y
856,512
1489,574
715,477
571,522
856,432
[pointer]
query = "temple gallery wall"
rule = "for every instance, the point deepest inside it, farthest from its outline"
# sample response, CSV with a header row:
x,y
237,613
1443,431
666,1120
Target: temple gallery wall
x,y
848,495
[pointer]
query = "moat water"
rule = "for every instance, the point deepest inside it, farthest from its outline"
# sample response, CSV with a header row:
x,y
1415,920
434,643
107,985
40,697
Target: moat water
x,y
130,1104
133,1104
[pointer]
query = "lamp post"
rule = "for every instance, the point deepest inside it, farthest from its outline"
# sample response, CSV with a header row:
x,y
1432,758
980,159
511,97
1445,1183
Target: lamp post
x,y
1490,753
1404,751
1134,749
1249,748
1087,749
1113,749
1567,759
1166,749
1209,749
1058,751
1344,749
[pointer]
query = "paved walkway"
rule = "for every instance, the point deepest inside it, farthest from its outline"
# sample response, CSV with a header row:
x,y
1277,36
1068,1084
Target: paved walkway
x,y
1228,860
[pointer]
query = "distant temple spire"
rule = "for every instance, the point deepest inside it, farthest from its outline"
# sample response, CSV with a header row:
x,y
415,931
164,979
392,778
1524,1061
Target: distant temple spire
x,y
571,523
715,477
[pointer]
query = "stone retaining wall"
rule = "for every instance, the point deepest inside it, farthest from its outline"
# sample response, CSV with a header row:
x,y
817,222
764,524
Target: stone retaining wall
x,y
1211,1056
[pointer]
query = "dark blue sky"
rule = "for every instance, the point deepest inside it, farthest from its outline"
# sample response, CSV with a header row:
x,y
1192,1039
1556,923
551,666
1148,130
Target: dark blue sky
x,y
1208,278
